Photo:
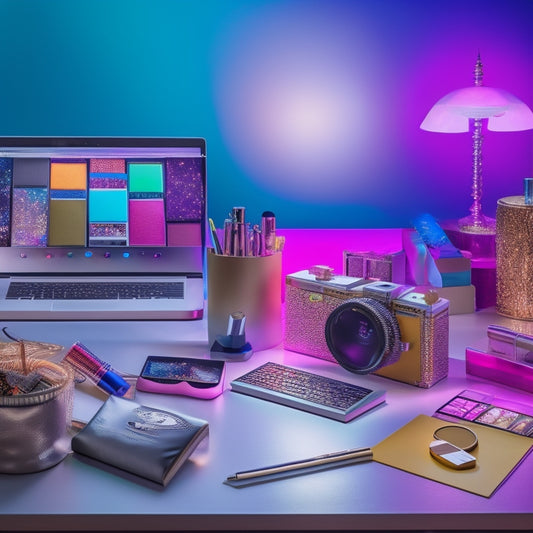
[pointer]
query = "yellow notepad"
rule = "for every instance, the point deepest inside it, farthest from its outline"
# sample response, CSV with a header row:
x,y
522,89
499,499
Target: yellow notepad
x,y
497,454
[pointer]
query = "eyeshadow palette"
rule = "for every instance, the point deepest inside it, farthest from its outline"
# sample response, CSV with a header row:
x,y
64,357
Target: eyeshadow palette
x,y
472,406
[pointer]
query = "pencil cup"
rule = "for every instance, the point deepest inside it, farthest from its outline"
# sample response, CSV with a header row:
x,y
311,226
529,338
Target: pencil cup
x,y
251,285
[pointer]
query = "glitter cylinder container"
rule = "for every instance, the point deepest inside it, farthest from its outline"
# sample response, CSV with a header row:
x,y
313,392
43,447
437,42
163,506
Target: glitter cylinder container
x,y
514,258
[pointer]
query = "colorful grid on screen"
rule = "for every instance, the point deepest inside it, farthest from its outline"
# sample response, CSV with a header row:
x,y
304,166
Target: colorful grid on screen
x,y
108,202
101,202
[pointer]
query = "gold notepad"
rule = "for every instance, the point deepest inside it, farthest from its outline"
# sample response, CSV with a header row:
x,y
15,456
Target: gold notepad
x,y
497,454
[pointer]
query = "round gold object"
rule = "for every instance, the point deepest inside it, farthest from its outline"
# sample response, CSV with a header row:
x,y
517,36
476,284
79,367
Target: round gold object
x,y
459,436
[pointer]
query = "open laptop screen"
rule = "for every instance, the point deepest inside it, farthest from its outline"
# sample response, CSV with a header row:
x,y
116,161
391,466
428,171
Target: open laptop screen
x,y
102,205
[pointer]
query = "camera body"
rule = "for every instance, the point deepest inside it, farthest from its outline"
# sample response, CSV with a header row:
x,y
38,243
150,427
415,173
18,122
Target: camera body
x,y
368,326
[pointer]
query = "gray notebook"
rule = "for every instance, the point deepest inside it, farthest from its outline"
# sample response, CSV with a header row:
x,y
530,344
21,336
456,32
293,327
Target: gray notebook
x,y
102,228
145,441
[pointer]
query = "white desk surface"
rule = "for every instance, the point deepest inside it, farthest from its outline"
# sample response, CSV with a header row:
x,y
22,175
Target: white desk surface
x,y
246,433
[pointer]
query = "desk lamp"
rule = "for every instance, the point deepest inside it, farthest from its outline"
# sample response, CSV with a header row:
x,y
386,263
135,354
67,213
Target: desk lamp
x,y
477,107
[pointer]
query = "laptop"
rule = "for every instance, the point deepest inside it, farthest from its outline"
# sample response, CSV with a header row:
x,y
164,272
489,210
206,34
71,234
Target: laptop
x,y
102,228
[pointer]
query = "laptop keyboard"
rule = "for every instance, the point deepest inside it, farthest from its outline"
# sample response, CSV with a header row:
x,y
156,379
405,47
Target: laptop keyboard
x,y
20,290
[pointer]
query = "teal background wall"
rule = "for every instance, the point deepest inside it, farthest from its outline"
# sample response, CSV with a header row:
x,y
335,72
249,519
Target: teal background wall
x,y
310,108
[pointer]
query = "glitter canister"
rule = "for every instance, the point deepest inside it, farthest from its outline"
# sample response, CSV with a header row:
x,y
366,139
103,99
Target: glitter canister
x,y
514,258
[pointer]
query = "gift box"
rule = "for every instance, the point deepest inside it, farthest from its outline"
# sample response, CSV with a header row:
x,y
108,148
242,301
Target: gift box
x,y
455,271
462,298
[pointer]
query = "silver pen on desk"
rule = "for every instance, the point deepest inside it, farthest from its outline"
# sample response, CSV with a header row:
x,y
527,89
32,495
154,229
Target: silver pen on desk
x,y
357,454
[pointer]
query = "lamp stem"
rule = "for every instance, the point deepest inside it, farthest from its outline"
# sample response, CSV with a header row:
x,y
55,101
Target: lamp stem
x,y
477,222
477,158
477,173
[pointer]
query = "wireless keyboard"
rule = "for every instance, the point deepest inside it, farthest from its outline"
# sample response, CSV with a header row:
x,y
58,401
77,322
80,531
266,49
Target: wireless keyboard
x,y
309,392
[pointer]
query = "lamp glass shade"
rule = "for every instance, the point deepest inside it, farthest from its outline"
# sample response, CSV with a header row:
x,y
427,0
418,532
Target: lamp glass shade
x,y
504,111
475,107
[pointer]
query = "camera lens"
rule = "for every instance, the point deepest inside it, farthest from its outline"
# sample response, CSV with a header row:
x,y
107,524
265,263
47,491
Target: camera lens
x,y
363,335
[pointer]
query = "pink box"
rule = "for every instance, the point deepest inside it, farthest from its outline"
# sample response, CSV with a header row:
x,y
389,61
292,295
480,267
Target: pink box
x,y
494,368
184,234
147,223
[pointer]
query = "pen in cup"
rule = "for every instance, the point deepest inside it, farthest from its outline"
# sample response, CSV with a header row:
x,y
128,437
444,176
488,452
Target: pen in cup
x,y
228,236
268,231
242,239
255,242
357,455
214,237
239,232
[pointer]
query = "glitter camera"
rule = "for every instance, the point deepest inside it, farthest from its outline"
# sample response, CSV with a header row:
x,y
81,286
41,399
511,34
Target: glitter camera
x,y
368,326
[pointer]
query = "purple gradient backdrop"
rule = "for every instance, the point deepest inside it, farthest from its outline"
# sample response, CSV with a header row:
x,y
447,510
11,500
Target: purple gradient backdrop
x,y
320,107
310,108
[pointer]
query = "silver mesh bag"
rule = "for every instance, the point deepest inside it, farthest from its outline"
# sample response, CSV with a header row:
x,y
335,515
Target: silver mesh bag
x,y
34,425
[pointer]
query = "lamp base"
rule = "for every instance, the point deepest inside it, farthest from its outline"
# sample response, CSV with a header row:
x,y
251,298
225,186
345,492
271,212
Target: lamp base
x,y
479,224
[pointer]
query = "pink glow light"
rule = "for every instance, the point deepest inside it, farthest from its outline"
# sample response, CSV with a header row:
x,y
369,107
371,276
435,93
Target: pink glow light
x,y
307,247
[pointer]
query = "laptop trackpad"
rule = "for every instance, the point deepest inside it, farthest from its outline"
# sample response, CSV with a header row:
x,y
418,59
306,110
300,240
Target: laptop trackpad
x,y
87,305
116,305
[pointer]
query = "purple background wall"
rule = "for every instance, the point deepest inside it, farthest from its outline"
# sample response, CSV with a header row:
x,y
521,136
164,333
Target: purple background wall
x,y
310,108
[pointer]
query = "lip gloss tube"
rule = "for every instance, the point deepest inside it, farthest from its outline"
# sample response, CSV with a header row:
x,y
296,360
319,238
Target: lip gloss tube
x,y
228,243
239,232
268,231
98,371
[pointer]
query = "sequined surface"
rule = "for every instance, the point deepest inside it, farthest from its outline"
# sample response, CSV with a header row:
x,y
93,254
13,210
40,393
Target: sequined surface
x,y
184,190
514,258
6,176
108,181
108,230
370,266
306,313
433,346
30,216
107,165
